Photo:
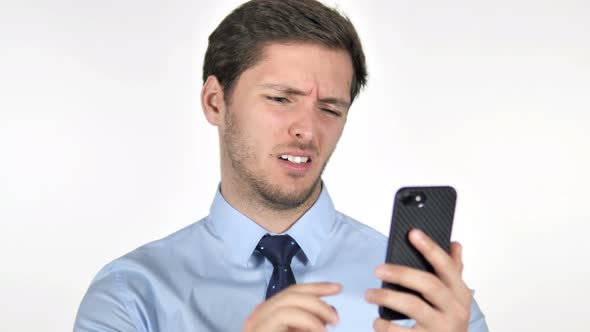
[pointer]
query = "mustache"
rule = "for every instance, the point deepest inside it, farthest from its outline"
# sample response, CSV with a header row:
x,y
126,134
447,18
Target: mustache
x,y
300,146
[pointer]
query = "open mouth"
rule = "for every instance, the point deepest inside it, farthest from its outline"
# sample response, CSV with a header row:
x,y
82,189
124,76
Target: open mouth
x,y
295,159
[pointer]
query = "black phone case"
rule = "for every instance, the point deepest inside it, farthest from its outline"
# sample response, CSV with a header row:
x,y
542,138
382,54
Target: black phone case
x,y
433,214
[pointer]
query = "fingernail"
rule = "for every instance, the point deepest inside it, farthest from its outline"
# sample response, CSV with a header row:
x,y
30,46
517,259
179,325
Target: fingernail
x,y
381,271
336,317
418,235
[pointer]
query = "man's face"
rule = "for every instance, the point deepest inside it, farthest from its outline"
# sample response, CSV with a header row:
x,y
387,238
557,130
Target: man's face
x,y
283,120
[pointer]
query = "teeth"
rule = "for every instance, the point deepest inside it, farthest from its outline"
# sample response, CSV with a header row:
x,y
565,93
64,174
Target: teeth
x,y
295,159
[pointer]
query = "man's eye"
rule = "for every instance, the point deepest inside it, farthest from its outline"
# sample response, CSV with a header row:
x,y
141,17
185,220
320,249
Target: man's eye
x,y
331,112
280,100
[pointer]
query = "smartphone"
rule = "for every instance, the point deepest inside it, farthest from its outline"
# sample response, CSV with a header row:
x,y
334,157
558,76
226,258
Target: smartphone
x,y
430,209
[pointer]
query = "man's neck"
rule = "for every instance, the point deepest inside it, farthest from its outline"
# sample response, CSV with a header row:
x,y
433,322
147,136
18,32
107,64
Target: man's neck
x,y
272,219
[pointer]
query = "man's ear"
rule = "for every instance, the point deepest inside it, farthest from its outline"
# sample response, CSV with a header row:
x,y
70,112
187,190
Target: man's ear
x,y
212,101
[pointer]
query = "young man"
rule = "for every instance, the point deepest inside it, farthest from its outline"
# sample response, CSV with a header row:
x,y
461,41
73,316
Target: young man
x,y
274,255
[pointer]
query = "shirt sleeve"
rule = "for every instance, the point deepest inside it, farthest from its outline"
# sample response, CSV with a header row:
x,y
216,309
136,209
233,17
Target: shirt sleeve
x,y
477,321
106,305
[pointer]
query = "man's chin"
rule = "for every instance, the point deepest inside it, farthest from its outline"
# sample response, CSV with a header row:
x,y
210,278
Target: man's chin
x,y
291,196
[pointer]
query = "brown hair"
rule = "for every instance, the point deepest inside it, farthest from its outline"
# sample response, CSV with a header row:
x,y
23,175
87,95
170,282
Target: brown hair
x,y
237,43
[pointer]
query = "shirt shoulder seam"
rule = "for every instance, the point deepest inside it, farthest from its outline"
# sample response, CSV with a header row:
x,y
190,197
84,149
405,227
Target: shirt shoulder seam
x,y
127,301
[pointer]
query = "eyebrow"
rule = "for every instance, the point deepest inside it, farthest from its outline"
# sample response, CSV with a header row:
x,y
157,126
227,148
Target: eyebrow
x,y
293,91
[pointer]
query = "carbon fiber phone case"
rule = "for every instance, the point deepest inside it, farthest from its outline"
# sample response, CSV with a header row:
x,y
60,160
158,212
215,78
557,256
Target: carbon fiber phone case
x,y
430,209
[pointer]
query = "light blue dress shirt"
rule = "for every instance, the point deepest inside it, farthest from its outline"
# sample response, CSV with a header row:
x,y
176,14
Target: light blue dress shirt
x,y
208,276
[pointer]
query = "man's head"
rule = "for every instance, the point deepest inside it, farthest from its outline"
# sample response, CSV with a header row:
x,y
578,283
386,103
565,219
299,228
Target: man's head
x,y
280,76
237,43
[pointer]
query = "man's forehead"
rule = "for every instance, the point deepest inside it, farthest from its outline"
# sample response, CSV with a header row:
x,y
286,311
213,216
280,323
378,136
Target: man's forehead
x,y
304,67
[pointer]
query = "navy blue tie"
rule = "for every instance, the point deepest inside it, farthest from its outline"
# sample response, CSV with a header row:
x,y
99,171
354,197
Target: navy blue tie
x,y
279,249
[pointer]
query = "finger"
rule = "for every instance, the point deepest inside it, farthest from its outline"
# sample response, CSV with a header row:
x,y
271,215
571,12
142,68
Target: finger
x,y
307,303
296,297
382,325
442,263
268,317
316,288
288,318
406,303
425,283
457,255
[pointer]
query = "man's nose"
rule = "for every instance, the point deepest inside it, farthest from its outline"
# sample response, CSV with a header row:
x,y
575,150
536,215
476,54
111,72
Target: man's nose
x,y
303,128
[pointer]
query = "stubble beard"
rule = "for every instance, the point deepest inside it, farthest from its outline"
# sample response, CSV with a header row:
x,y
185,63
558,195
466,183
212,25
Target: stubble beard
x,y
273,196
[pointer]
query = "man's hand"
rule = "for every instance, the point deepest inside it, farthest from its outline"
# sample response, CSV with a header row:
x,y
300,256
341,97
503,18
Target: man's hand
x,y
297,308
449,297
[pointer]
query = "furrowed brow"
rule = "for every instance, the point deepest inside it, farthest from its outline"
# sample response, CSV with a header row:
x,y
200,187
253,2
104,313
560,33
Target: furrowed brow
x,y
283,88
338,102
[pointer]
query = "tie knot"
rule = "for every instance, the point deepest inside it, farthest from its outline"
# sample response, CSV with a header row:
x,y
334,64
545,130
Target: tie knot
x,y
279,249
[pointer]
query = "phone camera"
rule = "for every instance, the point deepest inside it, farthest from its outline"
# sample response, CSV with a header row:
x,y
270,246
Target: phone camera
x,y
414,199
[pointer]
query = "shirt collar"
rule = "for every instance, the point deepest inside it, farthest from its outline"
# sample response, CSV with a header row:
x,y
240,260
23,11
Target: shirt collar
x,y
240,234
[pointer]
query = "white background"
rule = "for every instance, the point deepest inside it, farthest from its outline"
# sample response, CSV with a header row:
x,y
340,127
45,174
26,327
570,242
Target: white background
x,y
103,146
